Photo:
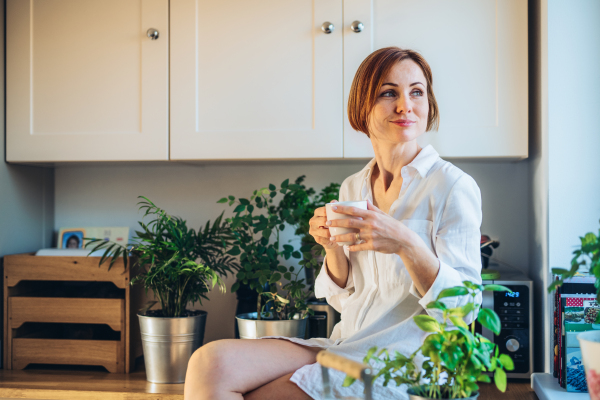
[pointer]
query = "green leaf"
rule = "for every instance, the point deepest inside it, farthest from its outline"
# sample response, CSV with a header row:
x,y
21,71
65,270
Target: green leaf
x,y
296,254
507,362
234,251
438,305
239,208
272,187
458,321
559,271
427,323
275,277
285,184
235,286
496,288
489,319
483,378
453,291
500,379
462,311
348,381
287,276
223,200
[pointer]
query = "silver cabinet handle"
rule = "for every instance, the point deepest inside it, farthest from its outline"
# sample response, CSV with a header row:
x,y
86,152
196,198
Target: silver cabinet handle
x,y
327,27
357,26
152,33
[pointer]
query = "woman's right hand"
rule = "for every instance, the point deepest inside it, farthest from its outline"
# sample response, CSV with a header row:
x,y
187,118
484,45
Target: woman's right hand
x,y
320,231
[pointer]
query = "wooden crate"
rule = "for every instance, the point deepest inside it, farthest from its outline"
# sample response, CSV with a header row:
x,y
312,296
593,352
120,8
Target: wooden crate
x,y
25,305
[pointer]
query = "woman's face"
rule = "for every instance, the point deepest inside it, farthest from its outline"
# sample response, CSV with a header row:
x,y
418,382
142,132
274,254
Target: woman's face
x,y
401,109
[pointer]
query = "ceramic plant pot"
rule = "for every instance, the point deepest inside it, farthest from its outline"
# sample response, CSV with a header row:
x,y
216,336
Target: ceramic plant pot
x,y
169,343
251,328
590,352
413,396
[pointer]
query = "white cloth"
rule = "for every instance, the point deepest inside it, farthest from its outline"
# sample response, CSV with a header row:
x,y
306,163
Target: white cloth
x,y
442,204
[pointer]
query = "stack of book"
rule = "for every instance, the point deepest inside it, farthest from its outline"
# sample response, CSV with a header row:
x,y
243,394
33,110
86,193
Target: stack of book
x,y
575,311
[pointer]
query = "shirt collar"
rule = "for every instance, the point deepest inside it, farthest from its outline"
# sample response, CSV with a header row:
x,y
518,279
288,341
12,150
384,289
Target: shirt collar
x,y
423,162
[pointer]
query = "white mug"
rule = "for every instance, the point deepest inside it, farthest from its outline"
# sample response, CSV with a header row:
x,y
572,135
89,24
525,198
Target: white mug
x,y
331,215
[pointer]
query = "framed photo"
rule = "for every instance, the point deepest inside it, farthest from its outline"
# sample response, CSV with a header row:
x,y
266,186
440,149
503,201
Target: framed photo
x,y
71,239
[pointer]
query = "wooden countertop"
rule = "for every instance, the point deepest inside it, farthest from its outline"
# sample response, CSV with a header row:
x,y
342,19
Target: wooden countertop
x,y
97,385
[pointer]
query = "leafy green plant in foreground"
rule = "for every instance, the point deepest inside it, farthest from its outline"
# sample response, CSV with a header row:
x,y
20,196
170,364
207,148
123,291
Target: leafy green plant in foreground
x,y
452,349
177,263
588,254
256,225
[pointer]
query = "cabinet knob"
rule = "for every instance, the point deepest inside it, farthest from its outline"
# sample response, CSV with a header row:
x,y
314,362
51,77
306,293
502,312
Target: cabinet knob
x,y
152,33
357,26
327,27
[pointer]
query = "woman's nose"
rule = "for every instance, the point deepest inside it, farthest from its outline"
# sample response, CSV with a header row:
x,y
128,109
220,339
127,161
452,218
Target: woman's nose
x,y
403,105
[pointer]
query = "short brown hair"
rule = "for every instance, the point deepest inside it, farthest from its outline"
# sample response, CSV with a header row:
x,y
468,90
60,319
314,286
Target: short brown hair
x,y
369,79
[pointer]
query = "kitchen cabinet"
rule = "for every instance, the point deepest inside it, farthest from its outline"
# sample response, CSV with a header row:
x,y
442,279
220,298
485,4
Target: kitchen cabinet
x,y
477,50
251,79
85,82
256,79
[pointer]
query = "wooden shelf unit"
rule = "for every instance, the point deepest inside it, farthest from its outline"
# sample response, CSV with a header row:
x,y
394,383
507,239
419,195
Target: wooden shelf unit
x,y
26,304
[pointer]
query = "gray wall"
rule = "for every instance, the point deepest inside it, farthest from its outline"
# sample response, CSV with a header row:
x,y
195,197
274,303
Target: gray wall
x,y
26,193
106,195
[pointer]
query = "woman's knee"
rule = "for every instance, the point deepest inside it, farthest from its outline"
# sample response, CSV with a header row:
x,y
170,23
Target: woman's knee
x,y
210,361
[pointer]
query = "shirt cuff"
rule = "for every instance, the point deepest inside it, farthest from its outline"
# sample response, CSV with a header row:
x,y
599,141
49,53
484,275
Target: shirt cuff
x,y
446,277
326,287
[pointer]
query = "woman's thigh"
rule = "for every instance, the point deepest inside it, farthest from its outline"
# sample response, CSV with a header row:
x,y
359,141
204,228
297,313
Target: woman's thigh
x,y
224,368
280,388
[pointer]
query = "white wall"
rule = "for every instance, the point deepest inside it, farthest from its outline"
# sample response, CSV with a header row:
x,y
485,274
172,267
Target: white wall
x,y
106,195
574,121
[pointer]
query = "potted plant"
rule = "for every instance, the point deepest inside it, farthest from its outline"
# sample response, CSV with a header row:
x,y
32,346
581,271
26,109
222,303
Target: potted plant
x,y
586,256
454,357
312,252
281,308
179,265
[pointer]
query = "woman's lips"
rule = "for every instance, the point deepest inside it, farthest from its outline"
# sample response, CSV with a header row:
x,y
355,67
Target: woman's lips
x,y
403,122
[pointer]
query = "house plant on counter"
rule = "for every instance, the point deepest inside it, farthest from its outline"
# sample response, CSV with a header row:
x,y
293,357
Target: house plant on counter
x,y
179,265
587,257
454,357
281,308
312,252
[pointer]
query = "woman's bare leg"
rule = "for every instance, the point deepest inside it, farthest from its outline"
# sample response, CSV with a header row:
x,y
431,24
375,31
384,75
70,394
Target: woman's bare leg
x,y
227,369
280,388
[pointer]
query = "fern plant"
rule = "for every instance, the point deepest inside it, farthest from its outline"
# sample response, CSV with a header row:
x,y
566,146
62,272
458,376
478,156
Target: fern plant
x,y
178,264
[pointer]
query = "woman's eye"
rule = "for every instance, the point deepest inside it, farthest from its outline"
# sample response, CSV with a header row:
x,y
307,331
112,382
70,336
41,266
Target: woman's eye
x,y
389,93
417,93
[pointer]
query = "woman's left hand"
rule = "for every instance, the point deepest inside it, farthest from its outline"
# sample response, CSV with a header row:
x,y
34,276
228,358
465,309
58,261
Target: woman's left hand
x,y
378,230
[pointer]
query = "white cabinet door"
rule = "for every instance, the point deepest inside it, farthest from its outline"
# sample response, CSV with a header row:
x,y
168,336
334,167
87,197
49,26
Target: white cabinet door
x,y
477,50
84,82
256,79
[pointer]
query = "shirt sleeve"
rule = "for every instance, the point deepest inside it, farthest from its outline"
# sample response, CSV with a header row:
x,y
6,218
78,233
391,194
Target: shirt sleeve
x,y
457,246
325,287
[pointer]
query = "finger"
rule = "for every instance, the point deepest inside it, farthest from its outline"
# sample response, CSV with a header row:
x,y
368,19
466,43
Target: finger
x,y
318,221
372,207
333,201
348,223
360,247
320,212
346,237
349,210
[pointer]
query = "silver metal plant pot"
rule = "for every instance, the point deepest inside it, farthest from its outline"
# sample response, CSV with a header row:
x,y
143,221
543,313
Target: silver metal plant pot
x,y
412,396
251,328
168,345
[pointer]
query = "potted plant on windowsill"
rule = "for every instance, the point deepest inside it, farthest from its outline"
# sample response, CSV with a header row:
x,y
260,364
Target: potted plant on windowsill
x,y
587,257
281,308
454,357
179,265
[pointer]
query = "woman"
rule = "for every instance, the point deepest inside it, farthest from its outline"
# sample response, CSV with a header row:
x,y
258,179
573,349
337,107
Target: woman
x,y
419,235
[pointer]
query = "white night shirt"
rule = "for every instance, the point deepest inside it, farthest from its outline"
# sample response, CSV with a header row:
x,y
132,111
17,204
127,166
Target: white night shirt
x,y
440,203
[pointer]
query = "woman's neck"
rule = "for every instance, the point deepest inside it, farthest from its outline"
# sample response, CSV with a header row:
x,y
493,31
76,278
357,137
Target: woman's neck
x,y
391,158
